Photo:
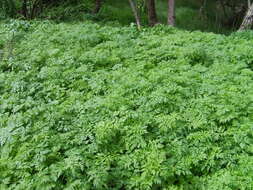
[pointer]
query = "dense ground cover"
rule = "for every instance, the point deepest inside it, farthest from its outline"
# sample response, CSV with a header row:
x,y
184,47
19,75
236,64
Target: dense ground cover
x,y
85,106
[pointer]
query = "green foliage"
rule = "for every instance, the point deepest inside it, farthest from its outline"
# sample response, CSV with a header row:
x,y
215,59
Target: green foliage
x,y
85,106
188,14
7,8
12,32
68,10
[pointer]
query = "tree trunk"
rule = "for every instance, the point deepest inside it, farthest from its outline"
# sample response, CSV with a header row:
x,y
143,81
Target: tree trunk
x,y
98,6
34,8
171,12
152,17
136,14
223,8
24,8
248,20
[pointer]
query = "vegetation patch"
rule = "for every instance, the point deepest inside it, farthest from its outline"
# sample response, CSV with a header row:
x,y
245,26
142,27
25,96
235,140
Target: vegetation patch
x,y
85,106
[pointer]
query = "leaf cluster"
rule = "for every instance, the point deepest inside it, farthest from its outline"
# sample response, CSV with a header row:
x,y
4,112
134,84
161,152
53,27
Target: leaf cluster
x,y
85,106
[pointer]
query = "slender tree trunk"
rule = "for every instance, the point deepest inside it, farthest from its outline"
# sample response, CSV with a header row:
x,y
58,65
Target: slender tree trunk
x,y
171,12
34,8
249,3
248,20
136,13
98,6
24,8
223,8
41,7
152,17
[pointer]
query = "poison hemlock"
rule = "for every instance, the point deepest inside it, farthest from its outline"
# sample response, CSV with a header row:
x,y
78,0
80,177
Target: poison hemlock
x,y
84,106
